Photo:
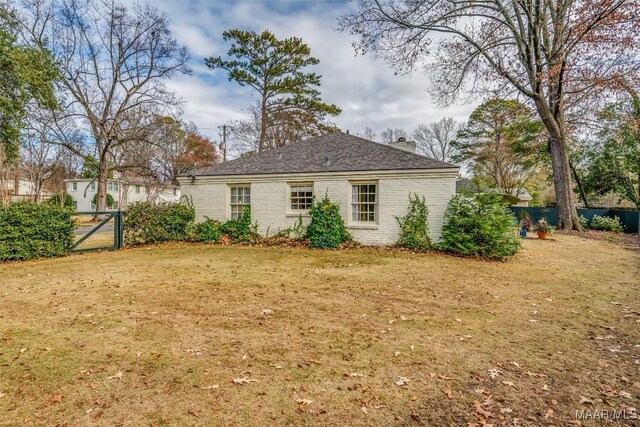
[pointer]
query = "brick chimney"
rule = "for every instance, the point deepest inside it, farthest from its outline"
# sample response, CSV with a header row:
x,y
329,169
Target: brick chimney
x,y
405,145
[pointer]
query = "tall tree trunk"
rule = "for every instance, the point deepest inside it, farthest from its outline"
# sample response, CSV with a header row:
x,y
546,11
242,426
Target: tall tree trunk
x,y
263,124
567,212
103,177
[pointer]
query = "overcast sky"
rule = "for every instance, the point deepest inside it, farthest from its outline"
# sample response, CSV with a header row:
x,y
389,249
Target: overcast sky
x,y
365,88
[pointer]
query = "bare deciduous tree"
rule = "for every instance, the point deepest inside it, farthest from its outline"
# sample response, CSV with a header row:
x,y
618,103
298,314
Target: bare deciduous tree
x,y
436,139
114,61
555,53
366,133
392,135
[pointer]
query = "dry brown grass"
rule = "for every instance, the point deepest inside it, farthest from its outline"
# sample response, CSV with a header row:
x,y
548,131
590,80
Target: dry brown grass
x,y
136,337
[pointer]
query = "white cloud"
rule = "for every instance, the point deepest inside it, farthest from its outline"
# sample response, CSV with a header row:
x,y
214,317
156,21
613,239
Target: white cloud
x,y
365,88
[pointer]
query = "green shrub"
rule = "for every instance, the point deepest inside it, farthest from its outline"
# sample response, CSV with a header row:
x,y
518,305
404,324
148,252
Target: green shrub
x,y
584,222
414,227
29,230
326,229
109,200
297,231
145,222
241,230
606,223
63,200
207,231
480,225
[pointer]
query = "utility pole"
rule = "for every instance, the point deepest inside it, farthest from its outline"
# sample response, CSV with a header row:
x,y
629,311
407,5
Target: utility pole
x,y
223,145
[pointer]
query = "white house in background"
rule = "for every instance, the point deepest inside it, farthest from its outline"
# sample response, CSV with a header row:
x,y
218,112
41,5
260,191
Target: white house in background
x,y
123,190
22,189
371,182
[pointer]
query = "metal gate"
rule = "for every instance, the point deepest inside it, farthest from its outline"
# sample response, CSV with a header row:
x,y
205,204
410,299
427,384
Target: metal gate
x,y
106,240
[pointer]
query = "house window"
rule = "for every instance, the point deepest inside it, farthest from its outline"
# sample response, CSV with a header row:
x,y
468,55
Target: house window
x,y
112,186
301,197
137,189
364,202
92,186
74,186
240,198
115,205
93,206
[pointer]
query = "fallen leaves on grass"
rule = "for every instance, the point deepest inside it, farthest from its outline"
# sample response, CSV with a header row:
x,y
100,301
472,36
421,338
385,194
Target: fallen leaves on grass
x,y
447,391
509,384
354,375
244,380
304,401
585,401
402,381
481,411
116,376
2,395
210,387
493,373
624,394
56,399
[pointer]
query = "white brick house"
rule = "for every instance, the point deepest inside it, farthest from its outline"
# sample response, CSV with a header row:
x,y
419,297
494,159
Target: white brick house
x,y
371,182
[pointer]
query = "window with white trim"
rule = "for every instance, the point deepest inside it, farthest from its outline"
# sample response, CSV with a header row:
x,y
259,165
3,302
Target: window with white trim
x,y
112,186
240,198
364,202
74,186
92,186
300,196
137,189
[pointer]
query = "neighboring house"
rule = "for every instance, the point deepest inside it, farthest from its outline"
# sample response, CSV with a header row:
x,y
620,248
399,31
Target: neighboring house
x,y
523,197
371,182
123,190
22,189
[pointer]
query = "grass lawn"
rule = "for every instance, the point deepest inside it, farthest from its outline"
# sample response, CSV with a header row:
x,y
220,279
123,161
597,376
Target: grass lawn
x,y
156,336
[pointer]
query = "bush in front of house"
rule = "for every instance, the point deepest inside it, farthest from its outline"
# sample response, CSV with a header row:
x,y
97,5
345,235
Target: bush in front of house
x,y
326,230
241,230
29,230
109,201
606,223
146,222
63,200
209,231
481,226
414,227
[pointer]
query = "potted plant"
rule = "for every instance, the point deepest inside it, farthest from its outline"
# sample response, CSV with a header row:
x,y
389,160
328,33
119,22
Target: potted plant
x,y
525,223
543,228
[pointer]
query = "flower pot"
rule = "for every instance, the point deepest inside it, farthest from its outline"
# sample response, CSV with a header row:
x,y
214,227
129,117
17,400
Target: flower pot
x,y
543,235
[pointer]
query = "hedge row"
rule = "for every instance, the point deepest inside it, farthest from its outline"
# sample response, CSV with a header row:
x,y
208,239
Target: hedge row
x,y
147,222
29,230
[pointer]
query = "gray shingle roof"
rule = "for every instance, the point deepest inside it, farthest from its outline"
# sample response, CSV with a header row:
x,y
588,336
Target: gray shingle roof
x,y
334,152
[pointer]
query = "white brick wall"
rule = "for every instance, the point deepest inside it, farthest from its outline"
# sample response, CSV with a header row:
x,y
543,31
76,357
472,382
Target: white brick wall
x,y
270,199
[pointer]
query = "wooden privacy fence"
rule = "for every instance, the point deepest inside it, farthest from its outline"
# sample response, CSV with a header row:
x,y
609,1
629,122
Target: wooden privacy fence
x,y
629,219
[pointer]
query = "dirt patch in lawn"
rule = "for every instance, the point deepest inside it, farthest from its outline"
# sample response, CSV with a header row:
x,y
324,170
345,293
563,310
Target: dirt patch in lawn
x,y
157,336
